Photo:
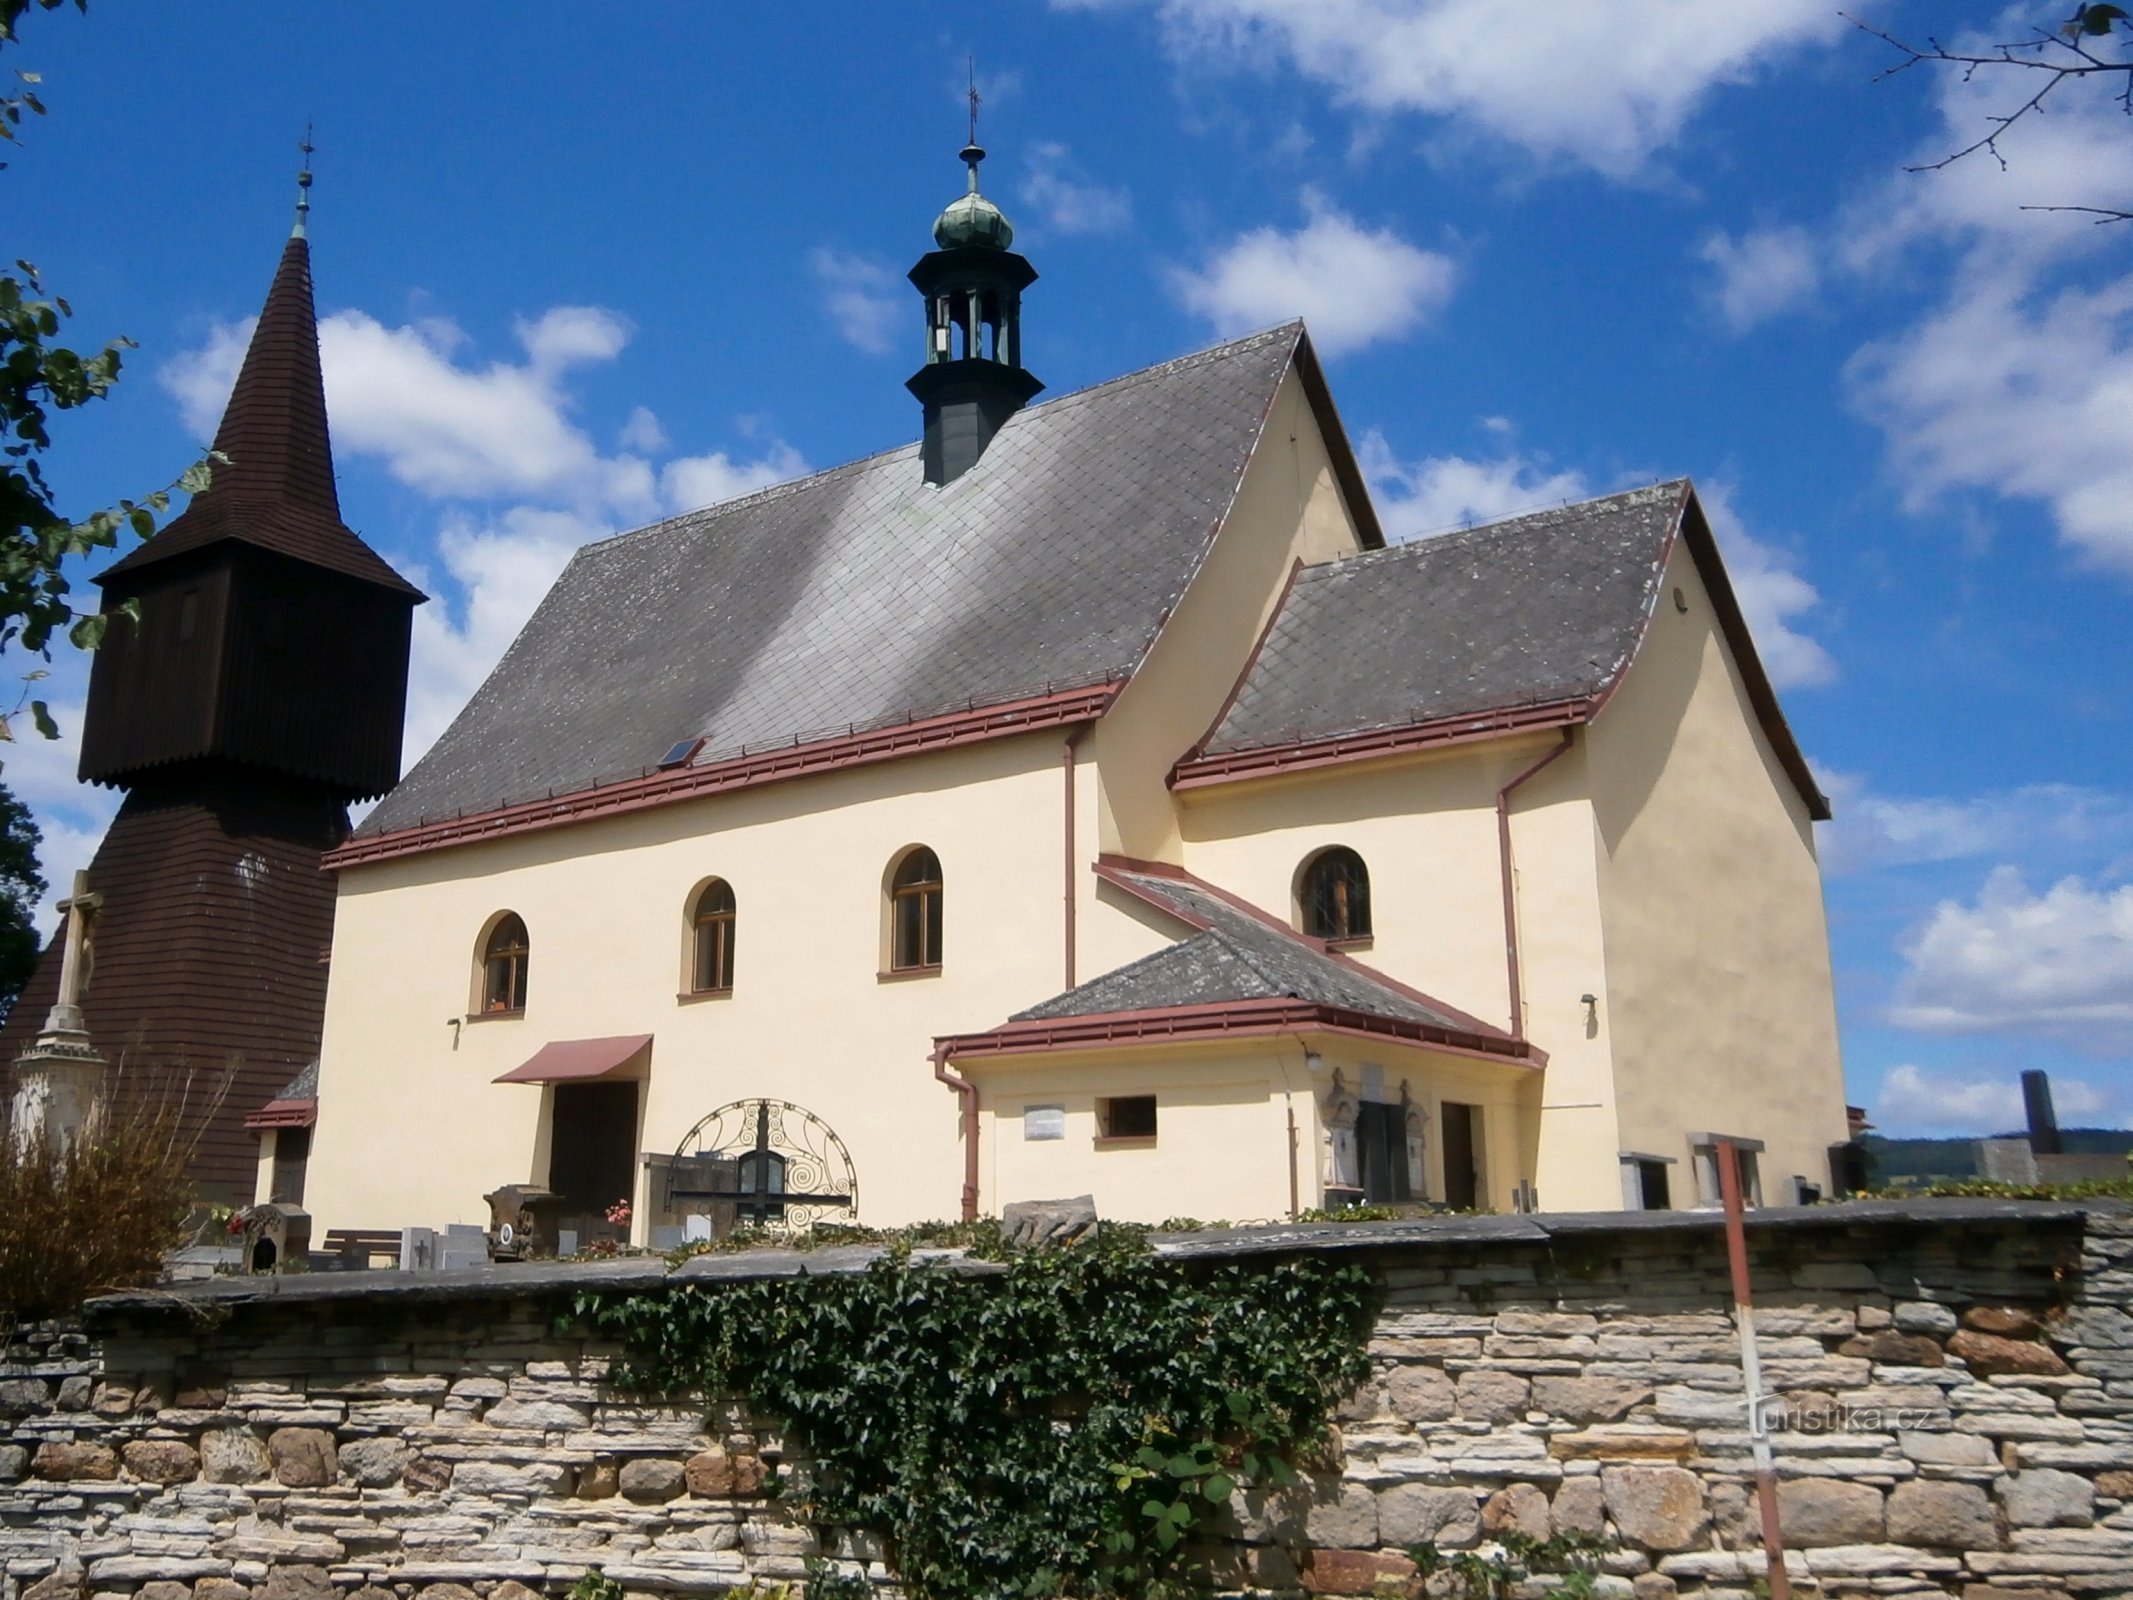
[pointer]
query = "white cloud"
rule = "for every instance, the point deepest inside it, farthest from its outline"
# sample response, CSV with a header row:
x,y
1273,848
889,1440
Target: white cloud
x,y
1067,198
863,299
1761,274
1876,830
2023,394
1440,493
441,428
502,567
1602,84
1771,594
1354,286
2060,962
642,432
696,481
1919,1101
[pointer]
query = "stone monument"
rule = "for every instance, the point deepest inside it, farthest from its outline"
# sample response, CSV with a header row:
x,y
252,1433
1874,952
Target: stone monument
x,y
55,1083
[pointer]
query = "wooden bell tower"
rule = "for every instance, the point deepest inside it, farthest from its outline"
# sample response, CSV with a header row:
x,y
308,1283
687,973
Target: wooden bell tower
x,y
260,691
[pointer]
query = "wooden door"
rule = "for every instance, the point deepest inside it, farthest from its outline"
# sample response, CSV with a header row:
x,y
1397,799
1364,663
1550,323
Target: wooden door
x,y
592,1158
1462,1155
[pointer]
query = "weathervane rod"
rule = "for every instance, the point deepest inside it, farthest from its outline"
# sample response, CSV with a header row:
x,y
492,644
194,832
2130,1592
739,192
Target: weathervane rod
x,y
303,184
971,65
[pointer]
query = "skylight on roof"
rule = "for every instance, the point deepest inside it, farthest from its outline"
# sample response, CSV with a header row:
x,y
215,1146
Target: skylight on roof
x,y
679,753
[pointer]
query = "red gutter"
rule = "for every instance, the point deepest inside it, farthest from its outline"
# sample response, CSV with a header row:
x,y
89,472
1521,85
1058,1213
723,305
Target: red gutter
x,y
740,772
1198,771
1510,888
1223,1020
967,1093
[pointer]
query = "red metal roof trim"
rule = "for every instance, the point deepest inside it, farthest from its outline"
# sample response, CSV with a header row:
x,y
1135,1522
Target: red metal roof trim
x,y
1234,1019
577,1060
1197,772
740,772
283,1114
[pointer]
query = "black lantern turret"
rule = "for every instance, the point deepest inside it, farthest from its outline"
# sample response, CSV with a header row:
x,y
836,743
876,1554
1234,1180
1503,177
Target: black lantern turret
x,y
973,379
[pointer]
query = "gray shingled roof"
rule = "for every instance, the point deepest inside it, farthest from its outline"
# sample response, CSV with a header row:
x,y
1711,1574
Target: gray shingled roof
x,y
1237,957
1536,609
863,596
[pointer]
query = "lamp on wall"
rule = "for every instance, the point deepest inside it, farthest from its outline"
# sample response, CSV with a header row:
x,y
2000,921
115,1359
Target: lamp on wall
x,y
1314,1061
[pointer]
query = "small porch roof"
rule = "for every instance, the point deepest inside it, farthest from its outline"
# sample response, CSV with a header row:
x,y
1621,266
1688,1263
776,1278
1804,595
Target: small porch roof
x,y
581,1060
295,1107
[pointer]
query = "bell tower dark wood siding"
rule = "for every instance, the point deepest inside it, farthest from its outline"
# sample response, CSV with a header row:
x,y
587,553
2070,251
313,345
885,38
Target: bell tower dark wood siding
x,y
261,690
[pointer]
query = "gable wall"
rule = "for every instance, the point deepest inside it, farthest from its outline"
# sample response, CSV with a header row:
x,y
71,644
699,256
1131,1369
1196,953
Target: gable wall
x,y
1288,508
1718,973
1425,826
413,1131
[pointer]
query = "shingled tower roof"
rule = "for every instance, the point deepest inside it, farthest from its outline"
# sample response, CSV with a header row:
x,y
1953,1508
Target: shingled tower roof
x,y
276,489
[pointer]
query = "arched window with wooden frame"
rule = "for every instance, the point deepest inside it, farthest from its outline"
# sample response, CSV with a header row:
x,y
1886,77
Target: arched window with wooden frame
x,y
503,966
711,921
1333,896
915,913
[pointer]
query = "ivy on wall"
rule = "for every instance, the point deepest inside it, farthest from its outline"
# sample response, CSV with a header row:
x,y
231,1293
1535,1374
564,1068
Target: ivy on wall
x,y
1061,1427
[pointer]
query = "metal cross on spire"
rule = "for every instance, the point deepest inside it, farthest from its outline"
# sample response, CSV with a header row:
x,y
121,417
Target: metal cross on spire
x,y
971,65
303,185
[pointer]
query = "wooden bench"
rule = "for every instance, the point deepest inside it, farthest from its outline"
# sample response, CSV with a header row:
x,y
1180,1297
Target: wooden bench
x,y
356,1248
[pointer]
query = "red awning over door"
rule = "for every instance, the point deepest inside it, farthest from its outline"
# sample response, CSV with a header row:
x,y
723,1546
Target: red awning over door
x,y
577,1060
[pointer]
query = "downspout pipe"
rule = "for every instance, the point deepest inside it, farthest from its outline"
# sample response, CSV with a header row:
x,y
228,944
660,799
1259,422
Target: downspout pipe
x,y
967,1093
1510,887
1079,732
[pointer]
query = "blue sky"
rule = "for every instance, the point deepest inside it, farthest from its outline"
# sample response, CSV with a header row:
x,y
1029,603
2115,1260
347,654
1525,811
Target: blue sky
x,y
580,267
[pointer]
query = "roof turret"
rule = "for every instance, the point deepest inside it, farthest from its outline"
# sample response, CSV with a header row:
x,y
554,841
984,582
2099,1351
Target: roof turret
x,y
972,219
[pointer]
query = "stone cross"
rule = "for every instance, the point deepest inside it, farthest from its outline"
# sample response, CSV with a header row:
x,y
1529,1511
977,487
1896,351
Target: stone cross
x,y
77,962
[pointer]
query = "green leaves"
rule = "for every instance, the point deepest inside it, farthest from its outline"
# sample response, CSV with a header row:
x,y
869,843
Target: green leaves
x,y
1064,1428
2093,21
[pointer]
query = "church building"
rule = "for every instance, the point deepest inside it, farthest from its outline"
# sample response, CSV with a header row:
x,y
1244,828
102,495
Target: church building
x,y
1087,799
258,689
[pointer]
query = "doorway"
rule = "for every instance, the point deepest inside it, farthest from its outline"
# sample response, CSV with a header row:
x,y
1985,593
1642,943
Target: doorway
x,y
592,1156
1462,1155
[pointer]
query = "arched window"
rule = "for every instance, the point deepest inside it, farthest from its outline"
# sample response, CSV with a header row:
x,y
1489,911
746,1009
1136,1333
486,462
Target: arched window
x,y
711,924
1334,895
915,912
503,965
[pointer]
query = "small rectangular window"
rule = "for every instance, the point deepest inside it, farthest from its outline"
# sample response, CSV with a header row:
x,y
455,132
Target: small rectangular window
x,y
1654,1193
1130,1116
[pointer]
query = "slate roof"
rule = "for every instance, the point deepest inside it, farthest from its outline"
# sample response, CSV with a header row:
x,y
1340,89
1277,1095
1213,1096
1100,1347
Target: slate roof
x,y
863,596
276,491
1238,956
1537,609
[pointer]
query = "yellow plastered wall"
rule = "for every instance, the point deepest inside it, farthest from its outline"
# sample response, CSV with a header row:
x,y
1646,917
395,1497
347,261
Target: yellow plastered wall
x,y
1425,826
1289,508
412,1127
1224,1148
1719,996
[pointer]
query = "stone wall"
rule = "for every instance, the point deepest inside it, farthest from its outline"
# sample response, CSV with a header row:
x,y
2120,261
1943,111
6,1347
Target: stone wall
x,y
1953,1384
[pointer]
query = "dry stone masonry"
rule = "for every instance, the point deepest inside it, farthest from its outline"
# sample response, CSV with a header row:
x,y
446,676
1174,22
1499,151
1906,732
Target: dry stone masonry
x,y
1952,1409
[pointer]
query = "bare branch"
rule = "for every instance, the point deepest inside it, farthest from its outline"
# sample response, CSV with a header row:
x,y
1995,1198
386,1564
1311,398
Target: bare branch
x,y
2102,214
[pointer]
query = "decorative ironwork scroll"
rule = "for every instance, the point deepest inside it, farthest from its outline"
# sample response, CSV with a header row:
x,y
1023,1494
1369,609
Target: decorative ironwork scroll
x,y
776,1164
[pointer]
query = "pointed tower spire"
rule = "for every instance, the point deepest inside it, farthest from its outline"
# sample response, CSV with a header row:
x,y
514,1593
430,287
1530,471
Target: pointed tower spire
x,y
276,488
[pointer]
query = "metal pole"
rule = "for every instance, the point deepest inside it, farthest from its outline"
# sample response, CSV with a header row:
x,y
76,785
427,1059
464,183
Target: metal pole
x,y
1751,1367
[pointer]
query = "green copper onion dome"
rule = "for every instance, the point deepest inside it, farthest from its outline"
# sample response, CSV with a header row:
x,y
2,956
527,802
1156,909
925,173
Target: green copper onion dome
x,y
973,219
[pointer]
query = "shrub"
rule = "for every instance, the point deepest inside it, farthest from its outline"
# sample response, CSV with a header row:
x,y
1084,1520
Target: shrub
x,y
97,1215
